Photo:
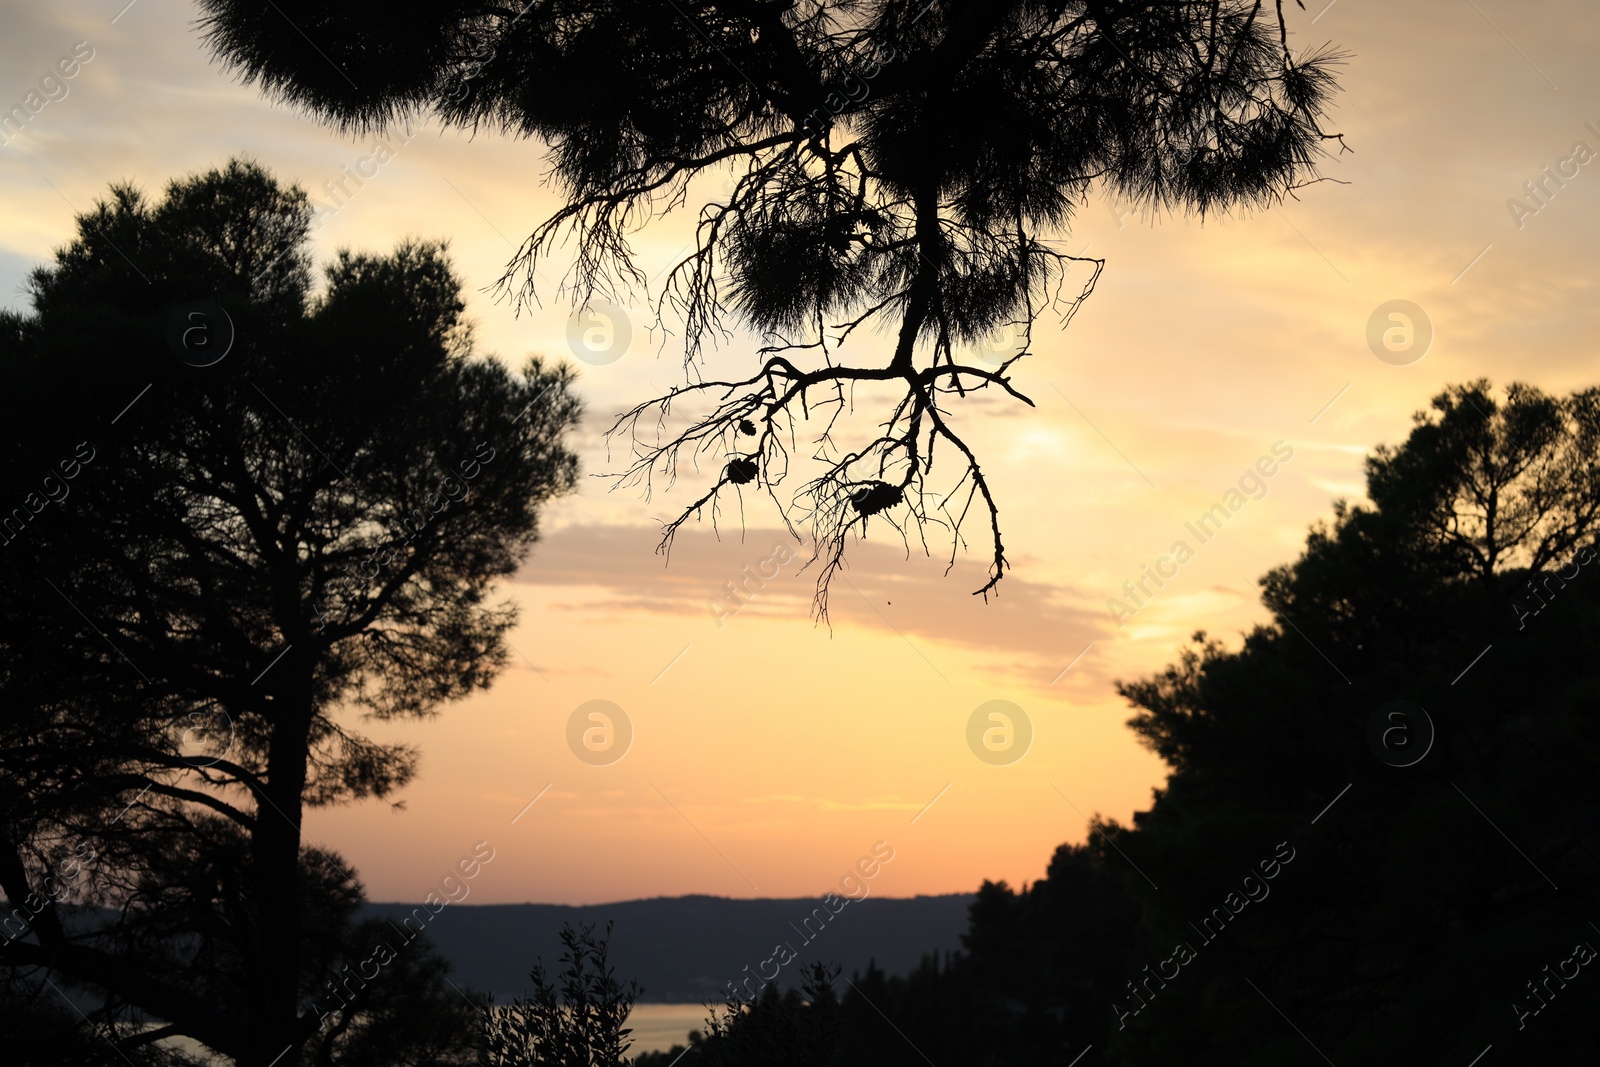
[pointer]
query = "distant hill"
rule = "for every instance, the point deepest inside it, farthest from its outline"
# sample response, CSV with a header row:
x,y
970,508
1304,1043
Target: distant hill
x,y
686,949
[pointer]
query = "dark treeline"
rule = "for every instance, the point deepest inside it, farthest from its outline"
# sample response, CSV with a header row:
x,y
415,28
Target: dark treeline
x,y
1325,870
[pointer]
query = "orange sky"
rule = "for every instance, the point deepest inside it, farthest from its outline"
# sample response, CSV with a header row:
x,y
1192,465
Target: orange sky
x,y
769,753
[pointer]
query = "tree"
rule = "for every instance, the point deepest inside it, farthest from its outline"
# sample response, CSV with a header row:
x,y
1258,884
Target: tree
x,y
215,570
1421,906
797,1028
1030,986
1402,890
1496,485
408,1016
42,1030
896,165
580,1022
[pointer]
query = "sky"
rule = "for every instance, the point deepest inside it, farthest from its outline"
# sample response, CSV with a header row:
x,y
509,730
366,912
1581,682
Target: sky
x,y
759,753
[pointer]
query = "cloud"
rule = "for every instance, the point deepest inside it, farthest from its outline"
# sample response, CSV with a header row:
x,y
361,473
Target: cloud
x,y
882,588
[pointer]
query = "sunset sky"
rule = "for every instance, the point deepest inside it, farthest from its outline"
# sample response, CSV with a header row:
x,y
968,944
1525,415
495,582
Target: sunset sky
x,y
770,752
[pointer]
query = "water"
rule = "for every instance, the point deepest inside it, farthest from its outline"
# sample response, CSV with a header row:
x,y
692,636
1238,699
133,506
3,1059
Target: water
x,y
657,1027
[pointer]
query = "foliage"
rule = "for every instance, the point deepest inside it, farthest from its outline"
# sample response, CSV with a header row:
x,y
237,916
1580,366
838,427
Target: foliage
x,y
794,1029
44,1029
1389,913
234,563
576,1021
1427,892
895,165
410,1015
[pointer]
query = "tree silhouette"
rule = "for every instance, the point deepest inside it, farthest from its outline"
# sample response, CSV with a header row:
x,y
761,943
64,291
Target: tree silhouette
x,y
1492,485
796,1028
1411,893
215,567
1422,897
576,1020
902,166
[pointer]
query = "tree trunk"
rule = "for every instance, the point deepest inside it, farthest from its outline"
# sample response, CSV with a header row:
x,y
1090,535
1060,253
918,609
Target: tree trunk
x,y
275,859
923,287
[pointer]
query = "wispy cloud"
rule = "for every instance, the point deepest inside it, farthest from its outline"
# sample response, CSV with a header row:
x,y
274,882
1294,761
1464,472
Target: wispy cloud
x,y
891,590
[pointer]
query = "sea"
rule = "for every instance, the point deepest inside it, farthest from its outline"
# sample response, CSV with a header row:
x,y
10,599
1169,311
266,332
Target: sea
x,y
656,1028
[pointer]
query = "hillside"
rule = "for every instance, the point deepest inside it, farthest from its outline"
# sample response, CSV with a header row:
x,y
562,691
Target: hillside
x,y
686,949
